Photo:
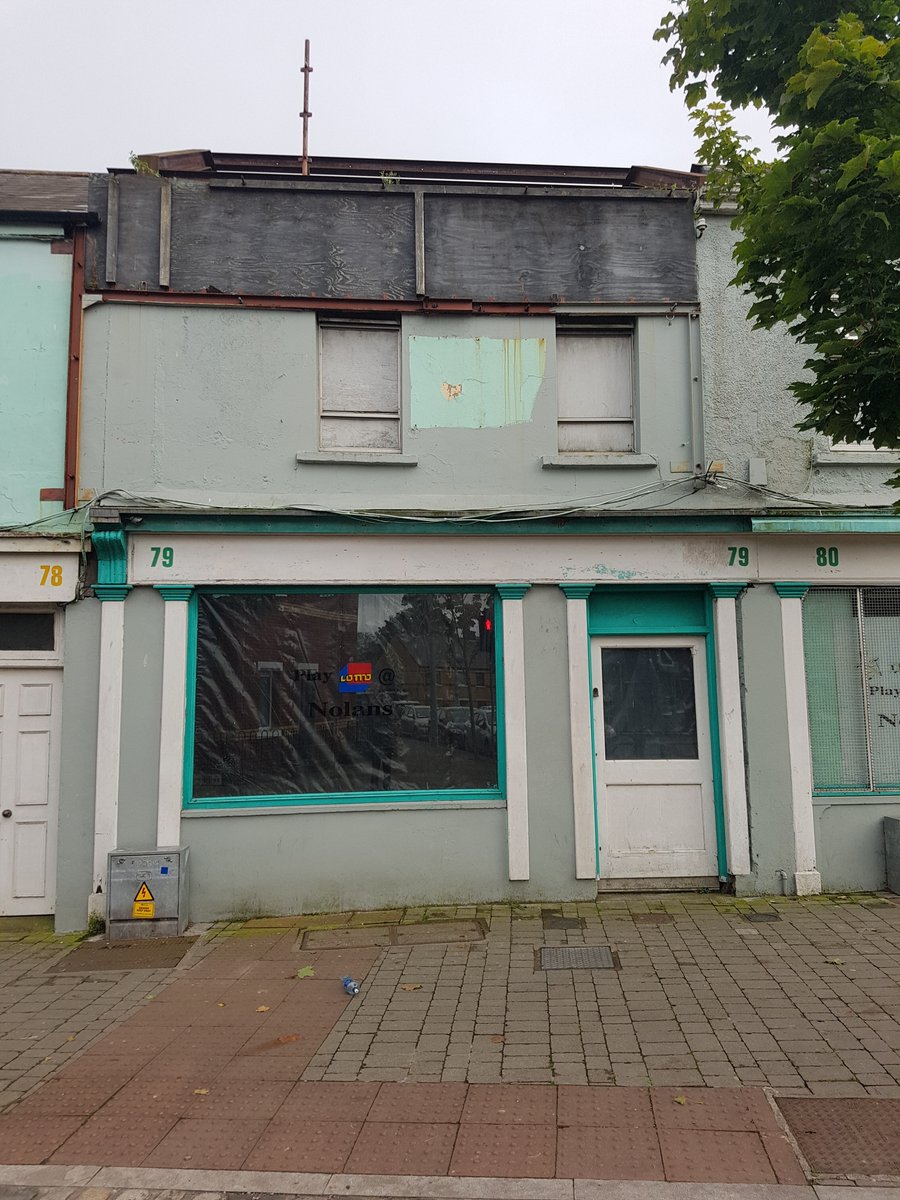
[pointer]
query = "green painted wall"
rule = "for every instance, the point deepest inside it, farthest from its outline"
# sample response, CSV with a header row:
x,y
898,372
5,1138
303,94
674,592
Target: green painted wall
x,y
34,320
141,714
473,382
850,841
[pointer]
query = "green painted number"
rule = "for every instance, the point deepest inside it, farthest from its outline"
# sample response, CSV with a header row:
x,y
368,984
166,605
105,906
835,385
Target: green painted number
x,y
739,555
162,553
827,556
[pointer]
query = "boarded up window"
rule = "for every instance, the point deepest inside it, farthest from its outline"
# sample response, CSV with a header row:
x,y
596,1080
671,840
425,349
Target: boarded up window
x,y
595,388
359,383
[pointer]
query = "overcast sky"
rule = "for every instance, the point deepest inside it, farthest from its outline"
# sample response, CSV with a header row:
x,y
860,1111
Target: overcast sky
x,y
537,81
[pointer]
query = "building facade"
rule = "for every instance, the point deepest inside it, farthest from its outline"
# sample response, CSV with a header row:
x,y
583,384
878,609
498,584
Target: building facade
x,y
451,540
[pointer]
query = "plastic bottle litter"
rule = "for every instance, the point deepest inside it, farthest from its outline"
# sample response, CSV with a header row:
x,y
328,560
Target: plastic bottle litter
x,y
351,987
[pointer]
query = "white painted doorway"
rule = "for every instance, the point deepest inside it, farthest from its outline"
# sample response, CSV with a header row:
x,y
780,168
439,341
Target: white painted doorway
x,y
30,709
652,758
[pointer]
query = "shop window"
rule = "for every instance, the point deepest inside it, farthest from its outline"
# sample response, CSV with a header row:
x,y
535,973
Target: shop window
x,y
359,385
595,387
852,646
356,694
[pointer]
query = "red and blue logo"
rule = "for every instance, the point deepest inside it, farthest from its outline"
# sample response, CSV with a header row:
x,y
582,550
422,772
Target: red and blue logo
x,y
355,677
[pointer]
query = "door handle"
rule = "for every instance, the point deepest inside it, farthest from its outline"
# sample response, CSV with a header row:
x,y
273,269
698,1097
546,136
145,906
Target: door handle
x,y
7,812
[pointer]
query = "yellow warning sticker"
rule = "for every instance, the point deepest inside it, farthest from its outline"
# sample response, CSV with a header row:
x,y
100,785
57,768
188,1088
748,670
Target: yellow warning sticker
x,y
143,904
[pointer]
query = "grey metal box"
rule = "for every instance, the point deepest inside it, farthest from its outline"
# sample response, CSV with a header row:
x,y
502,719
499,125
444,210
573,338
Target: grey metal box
x,y
146,893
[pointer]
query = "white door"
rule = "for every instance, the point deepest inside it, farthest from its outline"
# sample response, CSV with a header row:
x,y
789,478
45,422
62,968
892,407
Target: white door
x,y
30,703
656,811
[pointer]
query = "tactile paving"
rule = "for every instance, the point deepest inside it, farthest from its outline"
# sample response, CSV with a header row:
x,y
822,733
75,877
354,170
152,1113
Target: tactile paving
x,y
428,1102
291,1145
577,958
26,1138
386,1148
609,1108
510,1104
206,1145
592,1153
713,1156
505,1151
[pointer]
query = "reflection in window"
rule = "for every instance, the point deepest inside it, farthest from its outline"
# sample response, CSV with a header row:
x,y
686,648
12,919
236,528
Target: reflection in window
x,y
648,703
356,692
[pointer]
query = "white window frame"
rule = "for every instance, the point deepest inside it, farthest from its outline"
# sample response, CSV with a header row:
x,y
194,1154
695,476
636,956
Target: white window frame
x,y
592,328
373,324
35,658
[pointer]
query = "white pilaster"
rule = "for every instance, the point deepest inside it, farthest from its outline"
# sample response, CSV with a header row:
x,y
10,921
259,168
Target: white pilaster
x,y
174,696
580,716
514,722
731,728
807,880
109,734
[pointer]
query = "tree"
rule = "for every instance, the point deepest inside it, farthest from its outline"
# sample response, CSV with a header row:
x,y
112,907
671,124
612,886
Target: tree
x,y
819,245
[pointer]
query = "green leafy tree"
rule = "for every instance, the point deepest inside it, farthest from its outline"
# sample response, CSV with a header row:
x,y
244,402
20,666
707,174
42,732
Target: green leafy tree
x,y
820,227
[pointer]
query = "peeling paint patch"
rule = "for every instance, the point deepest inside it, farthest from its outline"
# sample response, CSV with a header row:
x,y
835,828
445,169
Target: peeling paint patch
x,y
474,383
623,574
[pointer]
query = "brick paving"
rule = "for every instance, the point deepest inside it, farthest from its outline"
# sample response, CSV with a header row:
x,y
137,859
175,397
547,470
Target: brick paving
x,y
461,1058
808,1003
47,1019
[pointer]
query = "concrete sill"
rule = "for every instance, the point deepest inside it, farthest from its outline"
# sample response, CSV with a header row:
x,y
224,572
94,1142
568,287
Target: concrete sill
x,y
296,809
598,460
349,458
856,458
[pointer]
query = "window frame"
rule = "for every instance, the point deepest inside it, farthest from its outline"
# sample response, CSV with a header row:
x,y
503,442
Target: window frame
x,y
872,789
36,658
360,324
302,801
595,328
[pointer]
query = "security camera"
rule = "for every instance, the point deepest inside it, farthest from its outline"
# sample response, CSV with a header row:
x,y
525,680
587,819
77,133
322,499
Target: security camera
x,y
700,227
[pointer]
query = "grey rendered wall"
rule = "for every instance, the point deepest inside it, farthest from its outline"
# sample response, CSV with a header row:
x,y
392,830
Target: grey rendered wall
x,y
141,715
78,746
212,406
321,861
748,411
766,748
850,841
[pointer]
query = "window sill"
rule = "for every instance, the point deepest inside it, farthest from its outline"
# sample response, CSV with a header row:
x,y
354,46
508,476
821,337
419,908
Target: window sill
x,y
855,458
357,458
598,460
236,810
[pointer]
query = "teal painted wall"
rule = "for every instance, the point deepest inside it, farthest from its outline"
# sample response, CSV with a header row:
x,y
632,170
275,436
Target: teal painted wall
x,y
213,406
34,334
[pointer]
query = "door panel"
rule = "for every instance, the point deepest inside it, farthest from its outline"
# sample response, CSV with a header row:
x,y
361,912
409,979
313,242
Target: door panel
x,y
29,788
656,812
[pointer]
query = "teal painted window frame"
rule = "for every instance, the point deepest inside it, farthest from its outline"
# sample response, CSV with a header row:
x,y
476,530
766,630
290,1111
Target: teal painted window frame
x,y
676,627
338,800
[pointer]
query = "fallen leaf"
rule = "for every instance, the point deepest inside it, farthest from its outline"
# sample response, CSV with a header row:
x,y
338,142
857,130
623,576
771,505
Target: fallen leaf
x,y
71,1037
263,1008
680,1100
410,987
220,1004
305,973
498,1037
838,962
201,1091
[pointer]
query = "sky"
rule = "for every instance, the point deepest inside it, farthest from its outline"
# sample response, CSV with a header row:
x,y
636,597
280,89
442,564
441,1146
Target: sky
x,y
574,82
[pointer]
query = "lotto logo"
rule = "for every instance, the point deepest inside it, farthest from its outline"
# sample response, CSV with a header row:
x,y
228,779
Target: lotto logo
x,y
355,677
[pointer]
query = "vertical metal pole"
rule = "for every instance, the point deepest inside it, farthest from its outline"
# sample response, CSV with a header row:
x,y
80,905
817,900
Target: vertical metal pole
x,y
306,114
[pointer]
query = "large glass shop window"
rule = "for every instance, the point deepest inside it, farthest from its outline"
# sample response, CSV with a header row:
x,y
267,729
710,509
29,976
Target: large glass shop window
x,y
365,692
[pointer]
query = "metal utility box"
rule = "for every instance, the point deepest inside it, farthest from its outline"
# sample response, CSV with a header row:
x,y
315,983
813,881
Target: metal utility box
x,y
146,893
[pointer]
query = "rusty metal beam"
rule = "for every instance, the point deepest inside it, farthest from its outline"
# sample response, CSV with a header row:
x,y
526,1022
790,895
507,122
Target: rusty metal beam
x,y
73,374
319,304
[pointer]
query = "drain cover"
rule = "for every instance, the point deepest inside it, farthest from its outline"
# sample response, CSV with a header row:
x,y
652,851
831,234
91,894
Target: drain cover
x,y
759,917
577,958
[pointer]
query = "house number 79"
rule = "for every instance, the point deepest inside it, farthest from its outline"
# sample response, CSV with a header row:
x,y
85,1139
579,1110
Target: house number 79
x,y
164,555
739,555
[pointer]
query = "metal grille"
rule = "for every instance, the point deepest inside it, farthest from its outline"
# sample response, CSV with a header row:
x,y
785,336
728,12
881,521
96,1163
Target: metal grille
x,y
852,645
577,958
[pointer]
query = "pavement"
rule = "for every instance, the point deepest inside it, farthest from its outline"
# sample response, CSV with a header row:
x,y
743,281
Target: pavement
x,y
753,1044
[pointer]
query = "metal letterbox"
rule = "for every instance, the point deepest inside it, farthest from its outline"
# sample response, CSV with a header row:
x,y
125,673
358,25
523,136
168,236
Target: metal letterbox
x,y
146,894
